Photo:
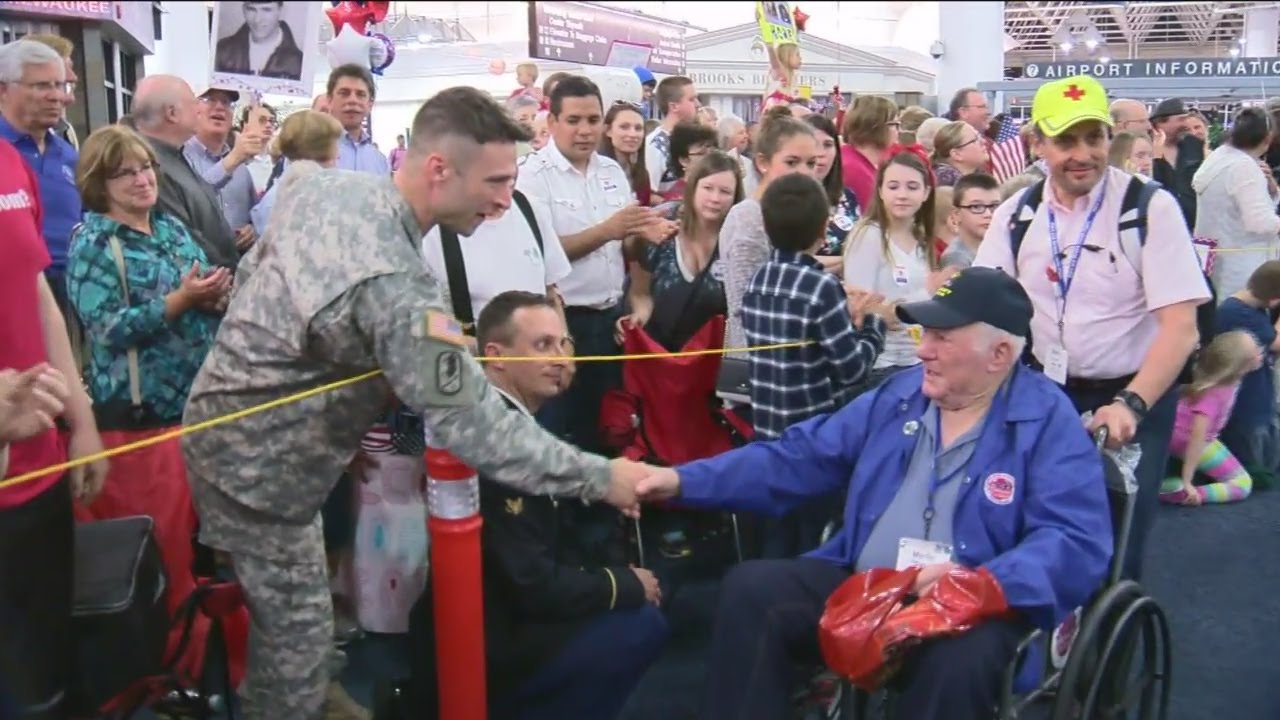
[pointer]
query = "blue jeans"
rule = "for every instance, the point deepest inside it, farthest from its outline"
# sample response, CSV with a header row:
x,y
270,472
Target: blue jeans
x,y
595,673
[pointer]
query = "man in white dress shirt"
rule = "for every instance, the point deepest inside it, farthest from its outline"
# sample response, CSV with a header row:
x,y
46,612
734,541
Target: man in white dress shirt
x,y
591,206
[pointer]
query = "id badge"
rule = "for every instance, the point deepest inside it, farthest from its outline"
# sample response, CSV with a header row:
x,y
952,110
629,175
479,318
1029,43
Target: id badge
x,y
900,275
913,552
1055,365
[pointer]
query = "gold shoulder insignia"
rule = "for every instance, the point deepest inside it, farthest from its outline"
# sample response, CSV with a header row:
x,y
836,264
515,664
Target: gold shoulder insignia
x,y
515,506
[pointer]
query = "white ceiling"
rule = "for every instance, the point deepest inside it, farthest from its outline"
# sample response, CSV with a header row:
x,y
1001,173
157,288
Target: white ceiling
x,y
1126,27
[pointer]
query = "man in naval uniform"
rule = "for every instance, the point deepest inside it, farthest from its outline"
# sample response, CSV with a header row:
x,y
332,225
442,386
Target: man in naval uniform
x,y
335,287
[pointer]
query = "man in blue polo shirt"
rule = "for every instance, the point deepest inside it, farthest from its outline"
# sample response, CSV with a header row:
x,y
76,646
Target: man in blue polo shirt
x,y
31,106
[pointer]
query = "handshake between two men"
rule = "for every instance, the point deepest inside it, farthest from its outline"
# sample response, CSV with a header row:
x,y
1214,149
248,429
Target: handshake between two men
x,y
631,483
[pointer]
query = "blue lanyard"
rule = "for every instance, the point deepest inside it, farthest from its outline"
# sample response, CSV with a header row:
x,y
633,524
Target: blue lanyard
x,y
1068,275
937,481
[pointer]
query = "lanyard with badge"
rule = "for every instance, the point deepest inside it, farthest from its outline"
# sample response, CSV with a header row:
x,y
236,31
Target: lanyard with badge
x,y
1056,360
923,551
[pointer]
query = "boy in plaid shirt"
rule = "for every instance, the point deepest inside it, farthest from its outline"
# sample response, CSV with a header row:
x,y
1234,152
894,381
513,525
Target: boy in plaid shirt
x,y
792,299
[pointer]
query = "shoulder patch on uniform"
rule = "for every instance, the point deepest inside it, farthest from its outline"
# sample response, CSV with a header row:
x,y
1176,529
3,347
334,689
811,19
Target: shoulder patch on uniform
x,y
515,506
449,372
444,327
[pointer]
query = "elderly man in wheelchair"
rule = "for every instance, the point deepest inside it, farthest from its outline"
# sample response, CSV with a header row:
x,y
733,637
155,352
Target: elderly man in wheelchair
x,y
971,467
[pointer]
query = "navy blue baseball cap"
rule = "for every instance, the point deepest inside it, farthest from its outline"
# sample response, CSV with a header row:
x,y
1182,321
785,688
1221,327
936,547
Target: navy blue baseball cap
x,y
974,295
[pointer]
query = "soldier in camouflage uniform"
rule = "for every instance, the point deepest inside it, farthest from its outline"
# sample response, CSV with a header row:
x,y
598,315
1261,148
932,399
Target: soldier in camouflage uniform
x,y
334,288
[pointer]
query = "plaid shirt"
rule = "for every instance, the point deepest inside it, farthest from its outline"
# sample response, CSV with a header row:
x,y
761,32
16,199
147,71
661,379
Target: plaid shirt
x,y
791,299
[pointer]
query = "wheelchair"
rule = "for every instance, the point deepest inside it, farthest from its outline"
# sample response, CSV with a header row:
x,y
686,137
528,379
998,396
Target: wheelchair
x,y
1098,678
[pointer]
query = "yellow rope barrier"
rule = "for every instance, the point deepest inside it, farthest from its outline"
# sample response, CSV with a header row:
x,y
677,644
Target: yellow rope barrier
x,y
300,396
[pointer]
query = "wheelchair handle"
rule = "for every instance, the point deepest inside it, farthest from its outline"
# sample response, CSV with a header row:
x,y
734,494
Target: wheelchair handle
x,y
1100,437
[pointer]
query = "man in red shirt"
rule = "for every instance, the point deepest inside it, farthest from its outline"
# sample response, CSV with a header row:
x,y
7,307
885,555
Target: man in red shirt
x,y
36,530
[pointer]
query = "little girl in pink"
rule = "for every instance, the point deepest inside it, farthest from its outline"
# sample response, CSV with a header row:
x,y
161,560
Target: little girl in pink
x,y
1203,410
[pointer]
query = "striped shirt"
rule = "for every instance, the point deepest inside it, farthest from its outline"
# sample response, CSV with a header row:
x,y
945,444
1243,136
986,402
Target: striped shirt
x,y
792,299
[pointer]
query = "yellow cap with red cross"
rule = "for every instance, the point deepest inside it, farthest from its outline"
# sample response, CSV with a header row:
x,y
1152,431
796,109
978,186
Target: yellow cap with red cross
x,y
1059,104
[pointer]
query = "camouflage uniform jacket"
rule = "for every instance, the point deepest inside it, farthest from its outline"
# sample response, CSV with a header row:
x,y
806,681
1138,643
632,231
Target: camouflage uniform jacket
x,y
334,288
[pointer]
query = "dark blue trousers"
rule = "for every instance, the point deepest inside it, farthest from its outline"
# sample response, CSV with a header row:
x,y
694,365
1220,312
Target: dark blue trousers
x,y
593,676
766,633
1154,433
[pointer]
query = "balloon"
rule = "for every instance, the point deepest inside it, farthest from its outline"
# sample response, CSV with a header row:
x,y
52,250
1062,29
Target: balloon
x,y
351,48
356,15
800,17
383,52
497,66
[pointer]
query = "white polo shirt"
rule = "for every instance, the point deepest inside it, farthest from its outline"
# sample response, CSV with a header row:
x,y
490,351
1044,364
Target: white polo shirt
x,y
501,255
1109,325
576,201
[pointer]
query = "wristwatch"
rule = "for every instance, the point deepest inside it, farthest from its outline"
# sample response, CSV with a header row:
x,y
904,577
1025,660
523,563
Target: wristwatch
x,y
1133,401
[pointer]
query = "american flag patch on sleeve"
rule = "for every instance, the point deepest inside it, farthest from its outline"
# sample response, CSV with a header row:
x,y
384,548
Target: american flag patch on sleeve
x,y
445,328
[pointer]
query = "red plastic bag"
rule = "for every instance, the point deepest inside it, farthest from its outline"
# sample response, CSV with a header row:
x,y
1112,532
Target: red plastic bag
x,y
955,603
854,612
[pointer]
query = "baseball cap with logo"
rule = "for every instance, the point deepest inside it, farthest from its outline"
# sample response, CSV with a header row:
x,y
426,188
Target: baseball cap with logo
x,y
1059,104
974,295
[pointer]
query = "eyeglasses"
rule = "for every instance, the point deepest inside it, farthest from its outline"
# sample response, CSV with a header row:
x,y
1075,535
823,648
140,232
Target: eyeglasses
x,y
980,208
131,173
46,87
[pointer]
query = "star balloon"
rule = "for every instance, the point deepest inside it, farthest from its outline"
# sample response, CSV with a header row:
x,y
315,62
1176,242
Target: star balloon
x,y
356,15
801,17
349,47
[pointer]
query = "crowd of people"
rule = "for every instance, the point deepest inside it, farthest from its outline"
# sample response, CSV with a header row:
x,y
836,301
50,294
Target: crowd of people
x,y
943,343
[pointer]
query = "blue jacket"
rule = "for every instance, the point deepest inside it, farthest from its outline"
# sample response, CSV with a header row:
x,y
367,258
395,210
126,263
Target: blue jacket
x,y
1049,547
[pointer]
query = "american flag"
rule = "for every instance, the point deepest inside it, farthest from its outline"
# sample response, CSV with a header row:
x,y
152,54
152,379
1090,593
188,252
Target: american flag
x,y
1008,152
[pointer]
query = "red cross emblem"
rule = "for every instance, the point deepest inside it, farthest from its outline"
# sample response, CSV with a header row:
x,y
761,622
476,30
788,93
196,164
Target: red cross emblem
x,y
1073,92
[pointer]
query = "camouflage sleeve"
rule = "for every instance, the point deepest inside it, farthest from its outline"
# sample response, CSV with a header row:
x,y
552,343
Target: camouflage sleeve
x,y
434,375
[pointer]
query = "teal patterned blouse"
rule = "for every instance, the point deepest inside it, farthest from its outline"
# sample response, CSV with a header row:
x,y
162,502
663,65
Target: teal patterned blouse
x,y
169,353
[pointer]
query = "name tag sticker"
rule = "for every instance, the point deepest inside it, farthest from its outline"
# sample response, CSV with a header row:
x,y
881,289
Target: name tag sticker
x,y
609,185
913,552
844,222
900,275
1055,365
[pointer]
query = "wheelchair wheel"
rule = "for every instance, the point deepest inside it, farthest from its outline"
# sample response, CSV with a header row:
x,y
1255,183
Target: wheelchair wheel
x,y
1082,664
1114,691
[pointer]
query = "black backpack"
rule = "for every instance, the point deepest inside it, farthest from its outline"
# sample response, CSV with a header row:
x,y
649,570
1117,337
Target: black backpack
x,y
1133,237
455,266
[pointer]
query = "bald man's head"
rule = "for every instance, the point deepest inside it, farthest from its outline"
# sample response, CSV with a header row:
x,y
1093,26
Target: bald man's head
x,y
165,107
1131,116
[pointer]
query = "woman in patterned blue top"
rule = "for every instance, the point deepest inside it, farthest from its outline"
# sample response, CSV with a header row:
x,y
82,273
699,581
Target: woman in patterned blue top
x,y
676,286
166,309
844,206
170,314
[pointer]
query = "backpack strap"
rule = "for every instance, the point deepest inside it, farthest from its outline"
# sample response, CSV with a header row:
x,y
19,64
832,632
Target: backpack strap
x,y
1133,218
526,209
1023,215
455,269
